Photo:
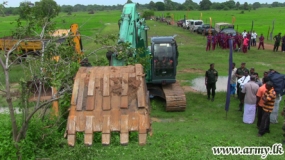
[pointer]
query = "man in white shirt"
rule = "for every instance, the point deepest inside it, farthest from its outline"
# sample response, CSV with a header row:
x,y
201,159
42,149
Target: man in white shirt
x,y
253,36
244,33
242,81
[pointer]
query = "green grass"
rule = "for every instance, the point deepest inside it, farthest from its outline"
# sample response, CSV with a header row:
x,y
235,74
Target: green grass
x,y
243,21
180,135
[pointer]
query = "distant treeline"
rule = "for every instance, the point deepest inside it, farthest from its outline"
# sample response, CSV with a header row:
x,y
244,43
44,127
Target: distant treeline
x,y
157,6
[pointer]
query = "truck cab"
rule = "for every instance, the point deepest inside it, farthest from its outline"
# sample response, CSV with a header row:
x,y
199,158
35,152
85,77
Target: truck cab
x,y
165,59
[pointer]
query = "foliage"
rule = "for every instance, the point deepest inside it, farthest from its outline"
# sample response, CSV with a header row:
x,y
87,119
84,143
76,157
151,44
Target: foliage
x,y
147,14
205,4
160,6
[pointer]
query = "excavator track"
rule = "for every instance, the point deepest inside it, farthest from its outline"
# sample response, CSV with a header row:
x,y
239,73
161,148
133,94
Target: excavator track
x,y
109,99
174,96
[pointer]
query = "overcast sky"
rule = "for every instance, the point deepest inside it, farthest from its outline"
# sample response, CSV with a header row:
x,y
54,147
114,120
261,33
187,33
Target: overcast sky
x,y
15,3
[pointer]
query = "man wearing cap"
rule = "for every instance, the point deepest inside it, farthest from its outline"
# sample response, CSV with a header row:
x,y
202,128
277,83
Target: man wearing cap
x,y
249,91
211,78
239,73
277,40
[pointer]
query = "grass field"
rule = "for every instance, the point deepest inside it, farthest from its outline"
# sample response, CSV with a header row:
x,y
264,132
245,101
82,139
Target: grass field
x,y
177,135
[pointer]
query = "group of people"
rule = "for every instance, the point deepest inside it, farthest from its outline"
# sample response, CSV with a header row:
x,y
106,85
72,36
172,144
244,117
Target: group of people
x,y
257,96
242,41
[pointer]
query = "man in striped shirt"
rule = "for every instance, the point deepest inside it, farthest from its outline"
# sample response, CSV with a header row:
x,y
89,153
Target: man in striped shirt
x,y
269,100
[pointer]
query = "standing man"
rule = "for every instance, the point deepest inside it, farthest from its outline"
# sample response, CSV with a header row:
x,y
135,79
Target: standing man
x,y
242,81
239,73
233,80
277,40
260,101
251,71
269,99
249,93
261,41
253,35
209,41
211,78
245,44
244,33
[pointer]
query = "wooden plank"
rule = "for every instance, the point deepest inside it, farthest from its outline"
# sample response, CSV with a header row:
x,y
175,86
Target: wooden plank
x,y
89,125
71,139
124,138
115,120
88,139
97,121
71,125
75,89
106,103
133,121
124,123
143,123
80,121
91,84
106,85
106,93
106,124
141,91
142,139
79,104
98,95
125,87
106,139
90,103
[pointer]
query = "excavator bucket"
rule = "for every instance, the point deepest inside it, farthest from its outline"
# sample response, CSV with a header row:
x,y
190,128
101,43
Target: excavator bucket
x,y
109,99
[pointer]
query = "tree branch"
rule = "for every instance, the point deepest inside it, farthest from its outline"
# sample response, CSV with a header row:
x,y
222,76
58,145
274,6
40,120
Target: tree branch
x,y
3,91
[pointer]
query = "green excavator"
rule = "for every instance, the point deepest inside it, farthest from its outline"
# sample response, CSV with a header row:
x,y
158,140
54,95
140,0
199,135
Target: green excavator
x,y
161,78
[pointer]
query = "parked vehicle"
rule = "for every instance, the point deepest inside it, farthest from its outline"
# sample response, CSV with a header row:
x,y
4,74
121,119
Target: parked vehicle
x,y
222,25
195,24
205,29
186,23
180,23
229,31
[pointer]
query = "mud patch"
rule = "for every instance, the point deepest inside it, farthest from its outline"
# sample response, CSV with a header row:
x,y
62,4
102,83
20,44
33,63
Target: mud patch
x,y
198,84
189,89
116,88
133,87
191,70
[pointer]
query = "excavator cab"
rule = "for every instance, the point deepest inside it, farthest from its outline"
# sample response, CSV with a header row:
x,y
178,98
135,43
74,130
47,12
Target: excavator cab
x,y
164,62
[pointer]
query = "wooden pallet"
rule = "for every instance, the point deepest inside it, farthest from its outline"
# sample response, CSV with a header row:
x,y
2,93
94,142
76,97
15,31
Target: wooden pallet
x,y
107,99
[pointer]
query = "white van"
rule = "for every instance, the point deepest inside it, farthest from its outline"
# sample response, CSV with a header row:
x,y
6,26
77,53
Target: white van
x,y
194,24
186,23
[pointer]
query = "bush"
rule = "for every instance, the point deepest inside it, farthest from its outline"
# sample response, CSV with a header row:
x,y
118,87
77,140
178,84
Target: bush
x,y
226,8
242,12
148,14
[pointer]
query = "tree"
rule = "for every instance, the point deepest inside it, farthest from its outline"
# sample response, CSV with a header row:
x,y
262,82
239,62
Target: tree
x,y
256,5
237,5
160,6
147,14
151,5
129,1
205,4
276,4
245,6
189,4
46,8
68,9
168,5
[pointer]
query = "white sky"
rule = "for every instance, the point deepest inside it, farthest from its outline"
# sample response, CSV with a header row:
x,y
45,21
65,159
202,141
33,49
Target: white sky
x,y
16,3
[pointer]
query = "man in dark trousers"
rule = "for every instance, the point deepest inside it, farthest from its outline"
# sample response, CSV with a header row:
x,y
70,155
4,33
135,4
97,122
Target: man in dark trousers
x,y
211,78
277,40
269,100
239,73
261,41
260,101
